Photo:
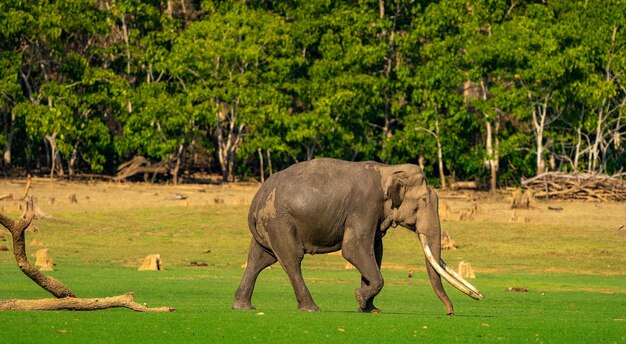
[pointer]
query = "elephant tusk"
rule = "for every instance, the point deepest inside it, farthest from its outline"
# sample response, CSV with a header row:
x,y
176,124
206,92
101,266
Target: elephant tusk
x,y
461,279
443,273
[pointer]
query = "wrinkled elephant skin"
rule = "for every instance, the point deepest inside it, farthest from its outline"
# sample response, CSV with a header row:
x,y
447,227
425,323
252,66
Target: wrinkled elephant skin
x,y
326,205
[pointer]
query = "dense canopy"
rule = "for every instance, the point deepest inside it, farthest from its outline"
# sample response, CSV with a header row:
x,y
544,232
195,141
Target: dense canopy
x,y
485,90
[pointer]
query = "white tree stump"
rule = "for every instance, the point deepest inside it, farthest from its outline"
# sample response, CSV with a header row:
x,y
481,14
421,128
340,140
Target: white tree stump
x,y
465,270
44,260
152,263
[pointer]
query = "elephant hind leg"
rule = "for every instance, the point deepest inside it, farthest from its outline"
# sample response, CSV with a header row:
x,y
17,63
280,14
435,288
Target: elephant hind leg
x,y
292,267
258,259
290,252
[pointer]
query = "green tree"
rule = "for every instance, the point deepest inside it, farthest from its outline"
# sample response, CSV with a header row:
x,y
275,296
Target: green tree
x,y
223,64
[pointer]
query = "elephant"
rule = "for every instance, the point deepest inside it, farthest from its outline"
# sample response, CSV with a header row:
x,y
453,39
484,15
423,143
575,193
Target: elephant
x,y
326,205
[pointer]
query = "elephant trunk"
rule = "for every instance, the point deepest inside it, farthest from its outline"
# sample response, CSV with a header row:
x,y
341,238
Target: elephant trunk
x,y
433,275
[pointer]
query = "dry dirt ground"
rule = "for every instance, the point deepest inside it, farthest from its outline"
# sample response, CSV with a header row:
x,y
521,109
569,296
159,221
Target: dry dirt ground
x,y
55,194
58,194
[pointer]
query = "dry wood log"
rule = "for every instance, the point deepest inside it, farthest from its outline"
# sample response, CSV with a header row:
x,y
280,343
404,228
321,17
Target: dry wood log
x,y
65,299
79,304
140,165
464,185
516,290
7,197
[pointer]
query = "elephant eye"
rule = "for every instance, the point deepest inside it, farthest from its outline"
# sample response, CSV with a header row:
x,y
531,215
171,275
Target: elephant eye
x,y
422,202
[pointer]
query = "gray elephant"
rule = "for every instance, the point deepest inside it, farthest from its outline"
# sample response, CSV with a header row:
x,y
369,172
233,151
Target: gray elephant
x,y
326,205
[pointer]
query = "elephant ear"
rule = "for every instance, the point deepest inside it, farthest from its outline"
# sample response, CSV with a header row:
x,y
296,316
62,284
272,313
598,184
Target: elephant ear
x,y
396,189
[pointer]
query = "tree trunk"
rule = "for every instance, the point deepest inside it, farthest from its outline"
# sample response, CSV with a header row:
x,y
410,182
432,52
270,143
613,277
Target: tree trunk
x,y
442,176
9,131
577,153
492,159
72,163
539,114
228,143
55,157
177,165
269,161
18,230
261,167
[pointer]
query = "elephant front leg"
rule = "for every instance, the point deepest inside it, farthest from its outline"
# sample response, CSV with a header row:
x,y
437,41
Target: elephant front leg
x,y
378,254
360,254
258,259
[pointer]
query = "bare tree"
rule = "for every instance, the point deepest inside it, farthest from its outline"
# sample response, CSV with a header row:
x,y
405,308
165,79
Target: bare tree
x,y
435,135
608,124
229,135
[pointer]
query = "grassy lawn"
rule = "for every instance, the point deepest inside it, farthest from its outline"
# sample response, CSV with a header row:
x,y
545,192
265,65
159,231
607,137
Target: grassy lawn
x,y
574,272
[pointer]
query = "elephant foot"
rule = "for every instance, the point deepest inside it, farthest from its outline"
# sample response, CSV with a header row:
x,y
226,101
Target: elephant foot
x,y
372,310
365,306
360,299
312,308
243,306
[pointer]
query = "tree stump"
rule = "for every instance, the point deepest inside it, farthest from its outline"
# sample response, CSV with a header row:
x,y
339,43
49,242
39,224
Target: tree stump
x,y
151,262
445,212
447,243
469,214
31,205
465,270
43,260
523,199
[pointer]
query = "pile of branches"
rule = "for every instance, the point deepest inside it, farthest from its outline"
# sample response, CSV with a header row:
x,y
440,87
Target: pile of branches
x,y
577,186
140,165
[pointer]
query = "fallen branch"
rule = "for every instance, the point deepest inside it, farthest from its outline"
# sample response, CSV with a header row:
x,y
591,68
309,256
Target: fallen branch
x,y
65,298
18,229
140,165
79,304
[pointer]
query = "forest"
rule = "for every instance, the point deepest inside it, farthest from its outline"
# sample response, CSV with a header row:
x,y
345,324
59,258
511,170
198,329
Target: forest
x,y
490,91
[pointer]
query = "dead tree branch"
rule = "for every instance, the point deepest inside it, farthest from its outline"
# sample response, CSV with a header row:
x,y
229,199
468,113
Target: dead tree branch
x,y
18,229
580,186
79,304
65,298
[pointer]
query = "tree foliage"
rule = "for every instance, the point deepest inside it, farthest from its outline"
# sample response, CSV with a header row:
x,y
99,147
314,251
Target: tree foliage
x,y
487,90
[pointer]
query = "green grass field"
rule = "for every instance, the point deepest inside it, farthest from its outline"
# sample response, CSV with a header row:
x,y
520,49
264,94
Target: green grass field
x,y
574,272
